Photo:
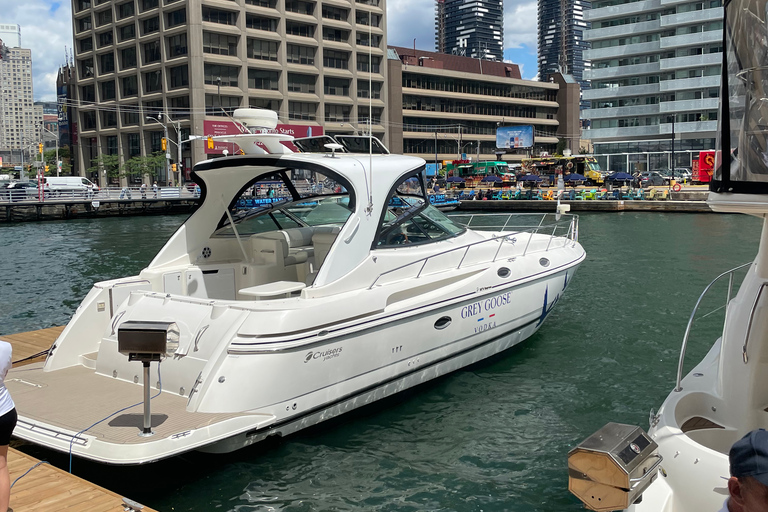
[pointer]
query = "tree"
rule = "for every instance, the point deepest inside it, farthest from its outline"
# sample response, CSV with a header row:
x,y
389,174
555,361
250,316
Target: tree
x,y
108,163
50,160
562,145
149,165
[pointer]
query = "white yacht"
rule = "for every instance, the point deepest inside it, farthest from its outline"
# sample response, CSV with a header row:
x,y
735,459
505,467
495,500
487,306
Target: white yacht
x,y
305,285
724,396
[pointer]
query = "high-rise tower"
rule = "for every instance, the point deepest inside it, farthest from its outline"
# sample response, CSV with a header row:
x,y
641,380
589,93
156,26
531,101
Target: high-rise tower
x,y
561,39
470,29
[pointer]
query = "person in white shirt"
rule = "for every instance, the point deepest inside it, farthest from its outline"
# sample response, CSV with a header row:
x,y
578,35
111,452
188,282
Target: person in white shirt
x,y
748,484
7,424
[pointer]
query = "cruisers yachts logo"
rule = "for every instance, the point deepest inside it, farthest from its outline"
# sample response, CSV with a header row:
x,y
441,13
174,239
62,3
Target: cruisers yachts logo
x,y
322,355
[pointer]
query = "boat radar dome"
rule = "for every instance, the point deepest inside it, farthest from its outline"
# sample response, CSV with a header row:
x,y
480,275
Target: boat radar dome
x,y
256,117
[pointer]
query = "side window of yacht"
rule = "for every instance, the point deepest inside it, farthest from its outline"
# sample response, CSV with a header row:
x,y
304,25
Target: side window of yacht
x,y
293,198
410,219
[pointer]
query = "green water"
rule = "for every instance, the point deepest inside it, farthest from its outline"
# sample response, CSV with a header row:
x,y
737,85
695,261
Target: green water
x,y
491,437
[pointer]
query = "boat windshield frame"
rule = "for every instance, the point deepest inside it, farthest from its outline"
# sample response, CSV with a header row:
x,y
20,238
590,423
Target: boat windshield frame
x,y
425,209
281,174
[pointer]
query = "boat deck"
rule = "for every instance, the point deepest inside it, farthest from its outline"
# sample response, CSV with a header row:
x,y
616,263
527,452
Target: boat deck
x,y
46,487
64,399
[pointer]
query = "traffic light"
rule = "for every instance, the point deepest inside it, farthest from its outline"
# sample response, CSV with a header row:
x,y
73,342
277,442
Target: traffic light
x,y
40,147
46,168
163,144
210,142
173,167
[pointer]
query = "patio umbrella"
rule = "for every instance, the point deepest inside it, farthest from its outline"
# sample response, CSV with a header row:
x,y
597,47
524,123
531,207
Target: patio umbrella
x,y
531,179
491,178
573,177
620,176
455,179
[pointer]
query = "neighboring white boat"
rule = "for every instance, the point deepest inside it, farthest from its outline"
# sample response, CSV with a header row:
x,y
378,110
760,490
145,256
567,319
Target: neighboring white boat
x,y
726,395
279,314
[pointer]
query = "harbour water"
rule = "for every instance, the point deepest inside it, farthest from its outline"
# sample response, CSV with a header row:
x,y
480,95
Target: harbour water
x,y
491,437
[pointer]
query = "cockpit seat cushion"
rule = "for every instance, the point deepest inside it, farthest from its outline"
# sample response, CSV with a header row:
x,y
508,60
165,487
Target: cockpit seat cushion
x,y
299,237
290,255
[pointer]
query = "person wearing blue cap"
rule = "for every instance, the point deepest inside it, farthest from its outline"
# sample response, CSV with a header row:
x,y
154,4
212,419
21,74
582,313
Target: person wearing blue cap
x,y
748,485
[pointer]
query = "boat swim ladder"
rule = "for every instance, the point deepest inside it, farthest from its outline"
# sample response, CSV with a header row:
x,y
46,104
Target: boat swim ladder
x,y
730,274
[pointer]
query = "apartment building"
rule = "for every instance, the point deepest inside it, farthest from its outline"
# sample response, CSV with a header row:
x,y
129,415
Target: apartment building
x,y
561,28
142,65
470,29
18,131
655,74
444,106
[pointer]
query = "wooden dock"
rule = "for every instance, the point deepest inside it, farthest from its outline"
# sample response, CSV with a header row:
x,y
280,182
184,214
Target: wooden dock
x,y
46,487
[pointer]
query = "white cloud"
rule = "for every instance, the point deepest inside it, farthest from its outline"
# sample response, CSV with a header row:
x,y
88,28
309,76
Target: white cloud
x,y
409,19
46,28
520,25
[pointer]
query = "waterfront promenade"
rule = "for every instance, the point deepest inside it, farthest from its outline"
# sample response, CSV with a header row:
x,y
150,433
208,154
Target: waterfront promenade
x,y
115,202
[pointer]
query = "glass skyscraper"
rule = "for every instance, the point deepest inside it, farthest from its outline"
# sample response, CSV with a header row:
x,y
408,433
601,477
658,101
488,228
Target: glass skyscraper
x,y
561,39
470,28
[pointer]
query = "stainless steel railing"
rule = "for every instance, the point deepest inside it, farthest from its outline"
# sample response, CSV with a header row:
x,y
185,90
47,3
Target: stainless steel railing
x,y
730,274
28,196
566,223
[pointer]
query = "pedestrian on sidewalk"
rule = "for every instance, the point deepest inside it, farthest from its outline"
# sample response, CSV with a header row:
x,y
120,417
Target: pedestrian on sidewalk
x,y
154,189
143,190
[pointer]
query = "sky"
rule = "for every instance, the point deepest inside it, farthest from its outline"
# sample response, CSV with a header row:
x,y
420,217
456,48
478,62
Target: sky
x,y
46,28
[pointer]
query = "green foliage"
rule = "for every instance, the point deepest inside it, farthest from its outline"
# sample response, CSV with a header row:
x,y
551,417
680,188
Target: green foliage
x,y
149,165
108,163
50,160
583,150
562,145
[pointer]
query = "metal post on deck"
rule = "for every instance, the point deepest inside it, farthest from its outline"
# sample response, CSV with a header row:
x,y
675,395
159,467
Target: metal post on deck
x,y
147,431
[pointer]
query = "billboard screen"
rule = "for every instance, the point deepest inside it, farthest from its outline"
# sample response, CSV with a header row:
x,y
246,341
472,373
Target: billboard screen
x,y
514,137
215,128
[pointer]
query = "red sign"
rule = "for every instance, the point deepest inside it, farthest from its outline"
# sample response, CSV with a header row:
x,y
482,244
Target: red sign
x,y
706,167
215,128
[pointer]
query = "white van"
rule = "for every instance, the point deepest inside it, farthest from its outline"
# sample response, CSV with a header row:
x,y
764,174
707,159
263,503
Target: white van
x,y
69,186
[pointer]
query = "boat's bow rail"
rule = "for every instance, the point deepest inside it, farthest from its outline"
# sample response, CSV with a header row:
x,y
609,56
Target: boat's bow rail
x,y
558,230
731,275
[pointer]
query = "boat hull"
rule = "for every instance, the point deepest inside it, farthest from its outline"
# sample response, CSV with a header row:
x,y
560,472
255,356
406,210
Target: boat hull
x,y
356,366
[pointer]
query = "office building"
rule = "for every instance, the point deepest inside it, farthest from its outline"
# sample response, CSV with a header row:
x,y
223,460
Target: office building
x,y
10,35
561,27
143,66
655,74
445,106
470,29
18,132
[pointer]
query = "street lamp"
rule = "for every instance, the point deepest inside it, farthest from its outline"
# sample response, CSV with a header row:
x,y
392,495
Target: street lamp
x,y
176,126
57,146
672,174
167,154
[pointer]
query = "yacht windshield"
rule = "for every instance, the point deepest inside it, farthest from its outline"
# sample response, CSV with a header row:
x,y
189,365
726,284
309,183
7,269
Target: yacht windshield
x,y
287,199
410,219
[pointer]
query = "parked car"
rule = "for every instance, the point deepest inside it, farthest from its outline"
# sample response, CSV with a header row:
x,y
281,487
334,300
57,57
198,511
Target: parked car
x,y
650,179
19,191
681,174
